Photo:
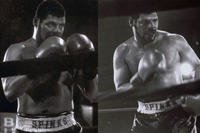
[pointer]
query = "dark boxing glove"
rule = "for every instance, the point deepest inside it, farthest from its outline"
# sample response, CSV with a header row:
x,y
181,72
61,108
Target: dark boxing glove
x,y
52,46
77,44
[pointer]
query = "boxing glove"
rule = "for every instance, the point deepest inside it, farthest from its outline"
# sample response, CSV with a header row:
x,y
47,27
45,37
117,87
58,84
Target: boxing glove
x,y
153,61
77,44
52,46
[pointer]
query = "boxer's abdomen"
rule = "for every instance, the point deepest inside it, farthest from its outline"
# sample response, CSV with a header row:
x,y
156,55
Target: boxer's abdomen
x,y
167,79
160,81
52,105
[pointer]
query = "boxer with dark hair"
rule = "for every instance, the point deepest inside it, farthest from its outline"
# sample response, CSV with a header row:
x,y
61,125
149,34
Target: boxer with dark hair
x,y
149,61
50,7
45,101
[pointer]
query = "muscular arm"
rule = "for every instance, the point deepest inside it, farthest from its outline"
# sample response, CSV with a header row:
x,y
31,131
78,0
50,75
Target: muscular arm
x,y
187,55
89,87
123,79
15,86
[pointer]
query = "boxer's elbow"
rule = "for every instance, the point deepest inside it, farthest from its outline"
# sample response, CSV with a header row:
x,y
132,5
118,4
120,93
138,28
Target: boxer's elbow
x,y
10,95
118,85
123,87
12,88
119,88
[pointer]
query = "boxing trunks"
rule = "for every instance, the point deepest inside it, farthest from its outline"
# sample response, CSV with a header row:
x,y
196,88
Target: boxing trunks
x,y
61,123
162,117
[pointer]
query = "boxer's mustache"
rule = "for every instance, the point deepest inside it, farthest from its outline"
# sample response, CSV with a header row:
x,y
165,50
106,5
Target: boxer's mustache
x,y
152,30
55,34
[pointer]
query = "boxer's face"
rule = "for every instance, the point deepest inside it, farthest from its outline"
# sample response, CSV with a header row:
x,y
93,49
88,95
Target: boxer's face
x,y
52,26
147,25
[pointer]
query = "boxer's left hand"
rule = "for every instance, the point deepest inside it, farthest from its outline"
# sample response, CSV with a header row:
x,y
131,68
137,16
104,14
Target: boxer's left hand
x,y
152,62
191,104
77,44
52,46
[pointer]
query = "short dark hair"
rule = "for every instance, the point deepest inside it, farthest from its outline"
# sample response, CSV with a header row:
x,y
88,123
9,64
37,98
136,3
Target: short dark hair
x,y
133,18
47,7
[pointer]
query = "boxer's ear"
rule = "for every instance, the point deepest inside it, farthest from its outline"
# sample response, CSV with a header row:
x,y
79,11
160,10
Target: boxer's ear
x,y
36,21
131,21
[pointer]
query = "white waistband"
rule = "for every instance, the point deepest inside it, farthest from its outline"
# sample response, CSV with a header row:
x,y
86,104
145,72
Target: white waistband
x,y
48,124
156,107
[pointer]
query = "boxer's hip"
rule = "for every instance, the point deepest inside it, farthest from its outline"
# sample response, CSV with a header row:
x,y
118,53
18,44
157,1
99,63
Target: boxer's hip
x,y
162,116
52,123
170,122
156,106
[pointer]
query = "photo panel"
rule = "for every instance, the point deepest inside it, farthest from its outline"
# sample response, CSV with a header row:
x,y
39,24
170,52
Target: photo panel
x,y
118,109
80,25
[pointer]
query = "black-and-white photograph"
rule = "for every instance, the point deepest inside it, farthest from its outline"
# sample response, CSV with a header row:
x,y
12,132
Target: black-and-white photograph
x,y
48,66
150,68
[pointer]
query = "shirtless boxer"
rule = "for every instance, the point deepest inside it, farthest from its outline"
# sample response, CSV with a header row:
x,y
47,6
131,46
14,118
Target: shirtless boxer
x,y
149,61
45,101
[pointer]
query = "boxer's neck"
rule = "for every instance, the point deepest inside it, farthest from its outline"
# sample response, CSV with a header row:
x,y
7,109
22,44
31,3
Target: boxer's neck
x,y
142,43
36,36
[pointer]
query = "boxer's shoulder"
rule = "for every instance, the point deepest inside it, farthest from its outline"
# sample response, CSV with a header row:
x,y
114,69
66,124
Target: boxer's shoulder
x,y
15,51
173,40
170,36
20,45
120,51
124,47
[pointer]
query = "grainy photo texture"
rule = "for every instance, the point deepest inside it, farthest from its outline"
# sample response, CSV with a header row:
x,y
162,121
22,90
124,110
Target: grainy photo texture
x,y
49,66
150,73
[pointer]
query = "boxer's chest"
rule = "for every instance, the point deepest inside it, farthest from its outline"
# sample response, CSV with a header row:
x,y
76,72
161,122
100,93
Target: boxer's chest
x,y
168,49
29,49
171,53
133,57
28,52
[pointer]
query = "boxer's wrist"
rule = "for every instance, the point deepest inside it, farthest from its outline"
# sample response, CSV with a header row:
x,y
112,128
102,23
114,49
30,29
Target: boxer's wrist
x,y
136,79
89,74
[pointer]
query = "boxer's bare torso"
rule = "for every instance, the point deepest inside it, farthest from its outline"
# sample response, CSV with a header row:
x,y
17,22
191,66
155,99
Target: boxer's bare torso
x,y
150,61
173,46
166,44
38,99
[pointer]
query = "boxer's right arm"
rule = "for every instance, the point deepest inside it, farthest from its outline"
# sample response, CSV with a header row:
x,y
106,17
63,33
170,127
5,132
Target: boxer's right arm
x,y
15,86
122,75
